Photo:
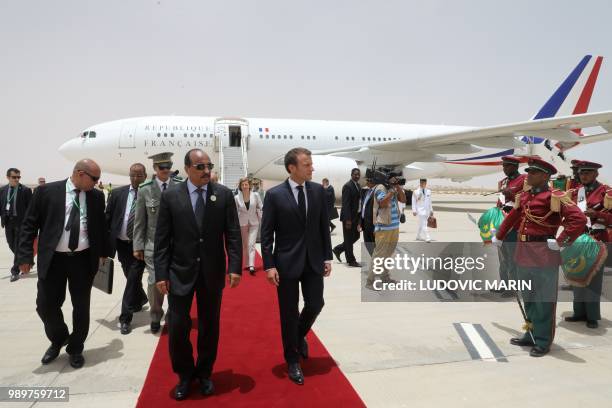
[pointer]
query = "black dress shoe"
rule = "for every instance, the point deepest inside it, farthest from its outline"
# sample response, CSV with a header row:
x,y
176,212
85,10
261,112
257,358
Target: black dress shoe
x,y
566,287
125,328
182,389
521,341
538,351
592,324
295,373
51,354
155,326
575,318
77,360
304,348
337,252
206,386
252,270
354,264
14,277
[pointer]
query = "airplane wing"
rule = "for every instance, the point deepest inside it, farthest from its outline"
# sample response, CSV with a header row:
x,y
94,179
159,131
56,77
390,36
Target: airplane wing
x,y
432,147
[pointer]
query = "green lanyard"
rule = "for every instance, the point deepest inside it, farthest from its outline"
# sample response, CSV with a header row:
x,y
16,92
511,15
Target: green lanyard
x,y
11,196
81,215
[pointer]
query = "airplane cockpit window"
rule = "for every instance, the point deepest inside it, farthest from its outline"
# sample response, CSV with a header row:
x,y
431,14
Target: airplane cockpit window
x,y
83,135
92,134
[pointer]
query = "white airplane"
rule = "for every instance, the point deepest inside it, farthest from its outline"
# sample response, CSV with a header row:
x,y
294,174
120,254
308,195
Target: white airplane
x,y
251,146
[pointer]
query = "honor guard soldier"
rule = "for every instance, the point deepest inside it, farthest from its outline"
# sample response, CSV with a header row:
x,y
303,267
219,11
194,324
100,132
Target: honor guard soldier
x,y
595,200
537,216
574,181
145,222
508,188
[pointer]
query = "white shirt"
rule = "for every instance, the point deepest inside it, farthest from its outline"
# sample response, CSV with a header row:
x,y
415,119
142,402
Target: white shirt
x,y
128,206
295,191
159,184
421,202
62,246
367,197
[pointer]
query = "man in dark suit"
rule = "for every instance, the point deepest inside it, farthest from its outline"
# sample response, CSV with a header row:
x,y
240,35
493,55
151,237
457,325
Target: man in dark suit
x,y
296,224
120,216
350,216
14,201
197,225
367,221
330,196
68,216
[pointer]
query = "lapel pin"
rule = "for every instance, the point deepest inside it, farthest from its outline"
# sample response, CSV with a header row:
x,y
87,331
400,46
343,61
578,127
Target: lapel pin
x,y
213,198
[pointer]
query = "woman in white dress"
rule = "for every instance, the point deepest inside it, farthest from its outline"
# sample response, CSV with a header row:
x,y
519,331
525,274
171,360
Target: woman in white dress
x,y
249,207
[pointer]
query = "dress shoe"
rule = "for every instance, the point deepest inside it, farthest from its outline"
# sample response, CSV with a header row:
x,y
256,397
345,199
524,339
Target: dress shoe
x,y
521,341
337,252
295,373
14,277
304,348
354,264
182,389
592,324
538,351
566,287
125,328
52,353
575,318
206,386
252,270
155,326
77,360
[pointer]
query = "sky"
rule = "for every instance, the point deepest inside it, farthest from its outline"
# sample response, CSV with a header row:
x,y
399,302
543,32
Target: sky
x,y
67,65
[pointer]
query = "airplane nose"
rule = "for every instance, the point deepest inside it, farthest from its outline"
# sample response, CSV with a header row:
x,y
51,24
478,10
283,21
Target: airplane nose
x,y
69,149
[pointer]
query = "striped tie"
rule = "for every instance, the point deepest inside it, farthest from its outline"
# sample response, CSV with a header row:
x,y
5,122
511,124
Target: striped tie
x,y
130,222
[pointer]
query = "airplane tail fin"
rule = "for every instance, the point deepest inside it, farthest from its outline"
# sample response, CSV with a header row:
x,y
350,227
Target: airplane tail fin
x,y
573,95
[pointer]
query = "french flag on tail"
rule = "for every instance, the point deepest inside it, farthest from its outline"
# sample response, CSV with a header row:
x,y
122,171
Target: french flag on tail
x,y
573,95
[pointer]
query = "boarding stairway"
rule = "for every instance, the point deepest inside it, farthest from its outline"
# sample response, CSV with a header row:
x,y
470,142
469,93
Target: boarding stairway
x,y
233,164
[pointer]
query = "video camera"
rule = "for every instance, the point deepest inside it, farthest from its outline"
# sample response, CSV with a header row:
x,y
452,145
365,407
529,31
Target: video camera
x,y
382,175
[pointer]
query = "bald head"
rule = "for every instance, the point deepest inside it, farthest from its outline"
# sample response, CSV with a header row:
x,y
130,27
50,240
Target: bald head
x,y
85,174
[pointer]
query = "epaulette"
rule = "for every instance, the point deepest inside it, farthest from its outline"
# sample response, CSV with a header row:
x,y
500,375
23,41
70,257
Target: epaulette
x,y
559,198
608,200
146,183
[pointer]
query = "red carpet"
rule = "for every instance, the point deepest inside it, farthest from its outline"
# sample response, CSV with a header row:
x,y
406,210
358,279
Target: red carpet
x,y
250,370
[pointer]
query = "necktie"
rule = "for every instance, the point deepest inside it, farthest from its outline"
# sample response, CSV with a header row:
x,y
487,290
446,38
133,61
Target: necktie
x,y
301,201
130,222
74,222
11,198
199,208
164,185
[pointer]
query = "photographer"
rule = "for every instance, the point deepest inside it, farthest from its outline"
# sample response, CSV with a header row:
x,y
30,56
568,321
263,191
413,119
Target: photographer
x,y
388,193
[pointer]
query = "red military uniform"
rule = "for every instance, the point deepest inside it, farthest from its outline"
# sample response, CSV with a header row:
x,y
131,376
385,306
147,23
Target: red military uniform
x,y
509,188
595,196
535,221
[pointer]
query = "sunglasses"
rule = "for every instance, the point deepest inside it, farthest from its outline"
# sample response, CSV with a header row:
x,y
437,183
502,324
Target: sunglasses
x,y
202,166
164,166
94,178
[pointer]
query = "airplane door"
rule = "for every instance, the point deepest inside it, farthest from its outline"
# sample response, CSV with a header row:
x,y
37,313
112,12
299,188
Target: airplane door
x,y
221,136
127,138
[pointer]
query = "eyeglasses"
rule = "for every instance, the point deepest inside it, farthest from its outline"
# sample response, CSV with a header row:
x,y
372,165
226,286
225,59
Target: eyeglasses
x,y
94,178
202,166
15,177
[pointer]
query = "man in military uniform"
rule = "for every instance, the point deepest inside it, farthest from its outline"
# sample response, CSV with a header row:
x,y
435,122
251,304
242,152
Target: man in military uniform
x,y
590,197
145,221
537,216
574,181
508,188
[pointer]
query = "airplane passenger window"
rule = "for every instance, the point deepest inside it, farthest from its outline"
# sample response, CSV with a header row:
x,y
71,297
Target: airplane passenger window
x,y
291,137
353,138
165,135
308,137
302,137
159,135
285,137
336,137
171,134
267,136
261,136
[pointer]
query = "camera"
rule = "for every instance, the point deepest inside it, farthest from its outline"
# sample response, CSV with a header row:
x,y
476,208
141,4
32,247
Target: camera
x,y
382,175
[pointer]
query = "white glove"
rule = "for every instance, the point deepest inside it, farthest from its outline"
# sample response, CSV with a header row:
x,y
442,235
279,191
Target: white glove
x,y
496,242
553,244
